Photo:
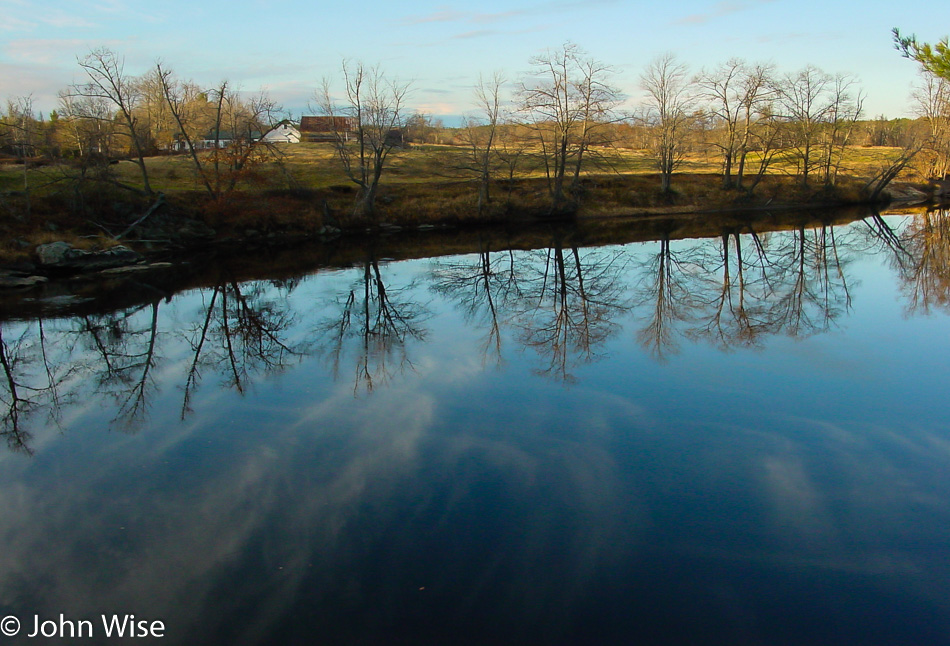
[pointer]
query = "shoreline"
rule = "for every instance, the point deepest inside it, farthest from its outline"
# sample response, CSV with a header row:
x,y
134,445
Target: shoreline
x,y
52,246
159,273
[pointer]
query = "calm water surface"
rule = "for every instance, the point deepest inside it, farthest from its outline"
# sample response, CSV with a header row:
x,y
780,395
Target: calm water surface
x,y
737,440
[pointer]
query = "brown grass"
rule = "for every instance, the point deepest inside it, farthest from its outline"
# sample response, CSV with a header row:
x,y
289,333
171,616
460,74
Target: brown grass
x,y
421,184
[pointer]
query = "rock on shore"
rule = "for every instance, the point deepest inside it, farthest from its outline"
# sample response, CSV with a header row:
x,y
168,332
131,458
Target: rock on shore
x,y
63,256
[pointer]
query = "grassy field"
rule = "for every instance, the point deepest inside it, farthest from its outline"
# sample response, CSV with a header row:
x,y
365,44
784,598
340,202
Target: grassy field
x,y
314,166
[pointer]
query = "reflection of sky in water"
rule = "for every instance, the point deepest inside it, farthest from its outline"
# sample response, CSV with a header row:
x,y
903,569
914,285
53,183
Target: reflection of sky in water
x,y
795,492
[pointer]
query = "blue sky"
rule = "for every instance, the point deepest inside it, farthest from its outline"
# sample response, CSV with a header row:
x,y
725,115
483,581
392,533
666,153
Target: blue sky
x,y
442,45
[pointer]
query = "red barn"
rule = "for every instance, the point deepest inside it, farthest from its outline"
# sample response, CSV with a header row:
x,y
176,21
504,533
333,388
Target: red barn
x,y
326,128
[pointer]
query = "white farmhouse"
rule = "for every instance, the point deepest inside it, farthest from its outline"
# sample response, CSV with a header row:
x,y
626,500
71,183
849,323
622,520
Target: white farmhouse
x,y
285,133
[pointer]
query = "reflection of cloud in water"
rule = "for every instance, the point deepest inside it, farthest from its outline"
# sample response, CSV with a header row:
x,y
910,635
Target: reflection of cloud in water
x,y
837,497
303,513
797,509
837,517
129,558
500,494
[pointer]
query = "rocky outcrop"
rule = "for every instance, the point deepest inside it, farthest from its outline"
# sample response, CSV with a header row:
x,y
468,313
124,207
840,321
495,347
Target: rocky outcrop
x,y
53,253
15,280
906,193
62,256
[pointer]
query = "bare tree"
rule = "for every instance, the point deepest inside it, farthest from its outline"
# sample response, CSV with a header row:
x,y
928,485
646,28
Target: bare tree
x,y
735,313
765,139
375,108
568,306
242,334
736,92
238,128
811,284
926,277
423,128
479,133
89,129
175,94
22,129
932,105
88,124
844,110
15,402
803,99
667,292
109,82
513,153
159,124
667,84
566,98
485,288
888,172
598,99
246,123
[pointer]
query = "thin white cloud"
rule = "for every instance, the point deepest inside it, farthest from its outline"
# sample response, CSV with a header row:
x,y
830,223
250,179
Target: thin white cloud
x,y
481,33
21,17
47,51
438,16
498,16
474,17
65,20
12,23
119,8
438,109
109,6
111,10
769,39
476,33
720,10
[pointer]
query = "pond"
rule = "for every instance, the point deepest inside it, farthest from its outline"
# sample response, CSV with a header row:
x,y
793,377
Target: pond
x,y
733,439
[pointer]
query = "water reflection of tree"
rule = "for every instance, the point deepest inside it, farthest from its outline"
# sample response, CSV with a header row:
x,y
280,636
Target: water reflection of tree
x,y
485,289
735,314
120,355
115,356
568,304
32,380
744,286
882,237
562,302
242,332
812,287
17,396
668,291
374,323
126,348
926,278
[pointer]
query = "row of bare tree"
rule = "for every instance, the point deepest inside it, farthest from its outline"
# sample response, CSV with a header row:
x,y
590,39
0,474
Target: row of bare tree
x,y
564,117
